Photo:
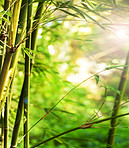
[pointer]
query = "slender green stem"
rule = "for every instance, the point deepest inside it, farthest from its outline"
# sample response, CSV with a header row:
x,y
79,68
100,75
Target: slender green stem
x,y
3,28
4,134
84,126
8,56
112,131
36,25
2,130
22,96
27,76
21,27
6,123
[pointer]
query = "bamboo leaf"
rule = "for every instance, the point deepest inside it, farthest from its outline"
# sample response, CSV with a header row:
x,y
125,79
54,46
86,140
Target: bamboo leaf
x,y
31,51
96,8
94,20
74,15
117,91
6,20
96,78
86,6
90,4
64,4
84,15
116,66
5,13
35,1
78,11
27,52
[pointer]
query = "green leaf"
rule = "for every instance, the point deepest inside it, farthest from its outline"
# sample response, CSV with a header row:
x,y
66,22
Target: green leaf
x,y
28,53
117,91
5,13
86,6
6,20
32,51
35,1
94,21
74,15
93,11
116,66
90,3
96,78
96,8
78,11
64,4
84,15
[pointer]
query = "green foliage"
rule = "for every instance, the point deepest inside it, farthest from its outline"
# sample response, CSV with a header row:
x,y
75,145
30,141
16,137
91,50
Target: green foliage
x,y
62,44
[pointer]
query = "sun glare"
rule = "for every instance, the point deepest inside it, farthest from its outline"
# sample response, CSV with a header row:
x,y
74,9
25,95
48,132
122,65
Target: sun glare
x,y
122,33
51,49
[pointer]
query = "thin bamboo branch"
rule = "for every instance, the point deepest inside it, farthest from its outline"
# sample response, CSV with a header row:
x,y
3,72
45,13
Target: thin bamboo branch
x,y
118,99
84,126
67,93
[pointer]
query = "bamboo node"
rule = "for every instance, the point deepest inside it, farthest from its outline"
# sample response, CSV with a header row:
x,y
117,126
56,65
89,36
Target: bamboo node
x,y
13,146
27,73
84,126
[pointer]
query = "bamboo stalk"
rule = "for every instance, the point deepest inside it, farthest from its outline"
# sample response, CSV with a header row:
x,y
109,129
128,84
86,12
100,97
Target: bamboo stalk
x,y
112,130
4,136
27,76
6,123
3,28
35,32
2,129
22,22
22,96
11,40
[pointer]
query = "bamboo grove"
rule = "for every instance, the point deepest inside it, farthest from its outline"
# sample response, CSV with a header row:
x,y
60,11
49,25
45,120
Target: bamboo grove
x,y
19,29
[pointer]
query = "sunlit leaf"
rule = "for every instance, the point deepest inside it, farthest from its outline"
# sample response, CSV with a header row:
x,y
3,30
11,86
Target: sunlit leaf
x,y
96,78
116,66
93,11
74,15
35,1
79,12
94,20
96,8
6,20
86,6
90,3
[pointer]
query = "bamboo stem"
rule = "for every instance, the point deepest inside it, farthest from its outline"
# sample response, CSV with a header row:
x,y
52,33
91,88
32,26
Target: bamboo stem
x,y
22,22
8,56
27,76
84,126
121,88
4,136
35,32
6,123
22,96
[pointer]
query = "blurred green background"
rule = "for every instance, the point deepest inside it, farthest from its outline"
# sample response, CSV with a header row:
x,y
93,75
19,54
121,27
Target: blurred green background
x,y
69,50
